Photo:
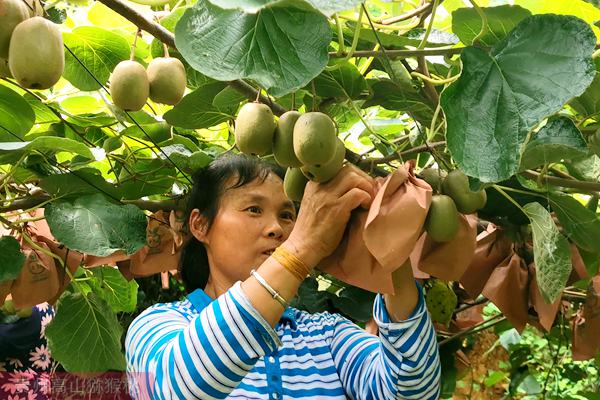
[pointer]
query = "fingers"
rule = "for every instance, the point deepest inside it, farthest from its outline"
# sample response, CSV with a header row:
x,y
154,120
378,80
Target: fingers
x,y
350,177
355,197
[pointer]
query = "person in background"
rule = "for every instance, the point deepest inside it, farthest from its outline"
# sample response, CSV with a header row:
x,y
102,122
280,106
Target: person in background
x,y
236,337
25,360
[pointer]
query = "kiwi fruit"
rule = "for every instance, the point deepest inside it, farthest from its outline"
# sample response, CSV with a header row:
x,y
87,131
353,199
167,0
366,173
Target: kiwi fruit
x,y
441,302
4,70
294,184
167,79
12,13
36,57
283,140
254,129
442,220
129,85
328,170
314,139
456,185
433,177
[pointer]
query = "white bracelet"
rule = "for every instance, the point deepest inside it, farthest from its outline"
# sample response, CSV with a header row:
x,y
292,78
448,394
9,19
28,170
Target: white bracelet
x,y
274,293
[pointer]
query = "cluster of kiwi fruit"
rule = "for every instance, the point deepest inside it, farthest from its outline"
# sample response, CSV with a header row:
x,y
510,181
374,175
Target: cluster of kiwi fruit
x,y
31,47
306,144
453,197
164,81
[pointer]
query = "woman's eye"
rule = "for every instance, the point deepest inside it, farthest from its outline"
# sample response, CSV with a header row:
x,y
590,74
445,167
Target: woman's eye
x,y
253,209
289,215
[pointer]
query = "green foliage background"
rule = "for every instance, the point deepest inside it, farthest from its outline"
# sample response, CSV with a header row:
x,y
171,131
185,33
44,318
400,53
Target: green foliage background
x,y
512,101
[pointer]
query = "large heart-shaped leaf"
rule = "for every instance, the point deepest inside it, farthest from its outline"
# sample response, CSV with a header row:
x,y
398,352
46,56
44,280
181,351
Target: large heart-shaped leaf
x,y
85,335
11,258
93,225
98,50
558,140
327,7
11,151
16,115
500,97
466,23
344,80
282,49
197,110
110,284
580,224
551,252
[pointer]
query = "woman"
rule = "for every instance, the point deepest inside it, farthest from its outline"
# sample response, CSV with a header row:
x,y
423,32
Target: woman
x,y
235,337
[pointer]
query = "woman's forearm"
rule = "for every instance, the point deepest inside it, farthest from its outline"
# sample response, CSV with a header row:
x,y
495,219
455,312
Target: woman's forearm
x,y
401,304
280,279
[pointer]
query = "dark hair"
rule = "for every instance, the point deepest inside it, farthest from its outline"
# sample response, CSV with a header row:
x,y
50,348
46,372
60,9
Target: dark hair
x,y
208,187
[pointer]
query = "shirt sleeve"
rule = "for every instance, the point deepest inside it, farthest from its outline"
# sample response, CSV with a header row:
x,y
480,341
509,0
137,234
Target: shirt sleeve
x,y
170,356
402,363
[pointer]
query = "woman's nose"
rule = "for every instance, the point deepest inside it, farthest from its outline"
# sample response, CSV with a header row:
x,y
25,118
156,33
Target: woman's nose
x,y
274,229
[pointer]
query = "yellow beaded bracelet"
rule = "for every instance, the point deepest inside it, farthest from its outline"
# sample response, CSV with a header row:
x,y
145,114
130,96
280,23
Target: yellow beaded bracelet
x,y
292,263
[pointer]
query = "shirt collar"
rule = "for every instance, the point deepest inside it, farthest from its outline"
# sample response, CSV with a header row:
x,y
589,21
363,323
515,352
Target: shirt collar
x,y
200,300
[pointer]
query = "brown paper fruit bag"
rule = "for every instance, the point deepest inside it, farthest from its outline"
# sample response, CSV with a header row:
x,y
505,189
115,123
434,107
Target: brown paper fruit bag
x,y
449,260
5,290
586,324
159,254
508,289
546,312
378,241
38,281
492,247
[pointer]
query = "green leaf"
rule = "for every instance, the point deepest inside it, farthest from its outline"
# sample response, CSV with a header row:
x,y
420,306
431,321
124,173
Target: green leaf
x,y
282,49
43,113
85,335
355,302
345,80
150,176
111,285
11,151
588,104
500,97
11,258
579,8
466,23
558,140
93,225
98,50
551,252
228,98
78,183
580,224
16,115
391,96
327,7
156,132
585,168
196,110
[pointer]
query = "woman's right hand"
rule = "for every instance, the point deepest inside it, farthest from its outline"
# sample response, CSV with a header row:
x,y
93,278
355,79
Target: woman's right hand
x,y
325,211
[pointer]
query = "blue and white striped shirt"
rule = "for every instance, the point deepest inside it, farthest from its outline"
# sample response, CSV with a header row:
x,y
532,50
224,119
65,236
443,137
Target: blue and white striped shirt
x,y
202,348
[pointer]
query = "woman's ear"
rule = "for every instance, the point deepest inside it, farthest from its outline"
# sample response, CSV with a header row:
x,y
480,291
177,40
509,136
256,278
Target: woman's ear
x,y
198,226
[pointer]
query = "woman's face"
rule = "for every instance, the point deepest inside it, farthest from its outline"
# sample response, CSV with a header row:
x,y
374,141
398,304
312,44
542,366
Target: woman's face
x,y
251,222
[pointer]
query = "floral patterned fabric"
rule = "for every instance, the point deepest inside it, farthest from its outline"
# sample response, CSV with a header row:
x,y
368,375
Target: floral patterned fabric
x,y
25,360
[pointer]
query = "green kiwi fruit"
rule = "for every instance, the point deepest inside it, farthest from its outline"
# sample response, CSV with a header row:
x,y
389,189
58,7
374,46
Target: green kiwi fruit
x,y
254,129
167,79
314,139
442,220
456,185
441,302
294,184
283,140
129,86
36,57
328,170
12,13
434,177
